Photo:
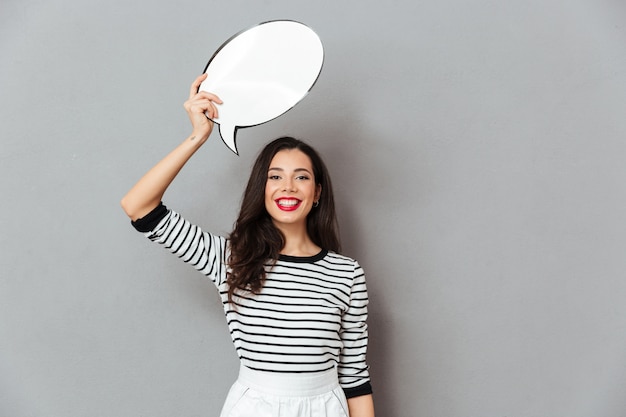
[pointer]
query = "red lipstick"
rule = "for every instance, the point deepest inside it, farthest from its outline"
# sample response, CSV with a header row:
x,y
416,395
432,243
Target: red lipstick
x,y
288,204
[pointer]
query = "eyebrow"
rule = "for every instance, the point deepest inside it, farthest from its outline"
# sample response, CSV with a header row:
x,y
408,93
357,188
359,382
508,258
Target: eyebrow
x,y
295,170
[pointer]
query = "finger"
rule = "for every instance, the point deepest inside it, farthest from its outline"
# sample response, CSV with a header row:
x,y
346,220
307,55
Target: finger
x,y
198,106
216,99
196,85
205,102
205,95
212,111
204,106
213,108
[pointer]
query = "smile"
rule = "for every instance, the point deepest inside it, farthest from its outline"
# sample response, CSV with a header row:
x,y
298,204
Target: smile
x,y
288,204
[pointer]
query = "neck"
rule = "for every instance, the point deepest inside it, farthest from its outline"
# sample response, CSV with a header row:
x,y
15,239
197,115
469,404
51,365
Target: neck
x,y
297,241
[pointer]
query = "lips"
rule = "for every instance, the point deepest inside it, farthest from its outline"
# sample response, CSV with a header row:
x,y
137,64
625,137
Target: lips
x,y
288,204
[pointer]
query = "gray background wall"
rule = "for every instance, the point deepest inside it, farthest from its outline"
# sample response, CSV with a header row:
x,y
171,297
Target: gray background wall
x,y
477,149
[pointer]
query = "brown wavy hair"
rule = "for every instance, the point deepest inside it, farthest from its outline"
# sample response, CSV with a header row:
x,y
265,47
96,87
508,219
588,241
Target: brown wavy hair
x,y
255,242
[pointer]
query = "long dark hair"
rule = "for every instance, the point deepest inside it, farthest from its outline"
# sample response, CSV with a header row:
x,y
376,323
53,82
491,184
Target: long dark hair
x,y
255,241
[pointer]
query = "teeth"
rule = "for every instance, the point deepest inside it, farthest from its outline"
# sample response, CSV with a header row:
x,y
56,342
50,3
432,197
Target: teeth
x,y
288,203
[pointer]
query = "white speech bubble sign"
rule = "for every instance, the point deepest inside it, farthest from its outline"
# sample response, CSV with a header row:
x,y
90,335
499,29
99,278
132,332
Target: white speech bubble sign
x,y
261,73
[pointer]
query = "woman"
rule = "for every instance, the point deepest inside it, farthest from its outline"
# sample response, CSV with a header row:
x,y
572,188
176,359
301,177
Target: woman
x,y
295,308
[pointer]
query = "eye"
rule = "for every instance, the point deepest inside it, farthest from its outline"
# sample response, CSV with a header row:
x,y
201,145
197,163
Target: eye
x,y
273,177
303,177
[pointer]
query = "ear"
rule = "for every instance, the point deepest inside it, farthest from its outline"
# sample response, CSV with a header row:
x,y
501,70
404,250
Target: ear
x,y
318,192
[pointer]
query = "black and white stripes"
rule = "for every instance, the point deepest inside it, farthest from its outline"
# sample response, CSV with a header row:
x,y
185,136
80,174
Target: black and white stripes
x,y
310,315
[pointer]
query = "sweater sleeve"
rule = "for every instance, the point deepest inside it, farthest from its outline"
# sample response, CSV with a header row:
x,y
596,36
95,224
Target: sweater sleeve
x,y
150,220
205,252
353,369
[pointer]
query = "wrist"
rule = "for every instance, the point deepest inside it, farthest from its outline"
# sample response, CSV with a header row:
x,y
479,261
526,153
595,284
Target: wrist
x,y
198,138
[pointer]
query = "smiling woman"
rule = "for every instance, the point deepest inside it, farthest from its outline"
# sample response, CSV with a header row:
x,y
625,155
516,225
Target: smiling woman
x,y
295,307
286,185
291,192
277,214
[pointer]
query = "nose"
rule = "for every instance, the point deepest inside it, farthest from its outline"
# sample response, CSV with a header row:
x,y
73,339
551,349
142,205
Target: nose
x,y
289,185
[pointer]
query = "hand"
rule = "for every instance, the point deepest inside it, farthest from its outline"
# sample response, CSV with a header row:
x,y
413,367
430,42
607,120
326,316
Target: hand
x,y
200,106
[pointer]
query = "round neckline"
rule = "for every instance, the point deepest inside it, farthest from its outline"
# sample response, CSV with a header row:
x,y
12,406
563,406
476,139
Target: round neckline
x,y
303,259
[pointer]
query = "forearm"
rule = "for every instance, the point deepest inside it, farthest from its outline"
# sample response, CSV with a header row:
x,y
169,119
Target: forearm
x,y
361,406
146,194
149,190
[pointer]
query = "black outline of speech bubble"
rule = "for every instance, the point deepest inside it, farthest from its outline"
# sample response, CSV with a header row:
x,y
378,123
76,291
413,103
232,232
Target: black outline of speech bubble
x,y
206,67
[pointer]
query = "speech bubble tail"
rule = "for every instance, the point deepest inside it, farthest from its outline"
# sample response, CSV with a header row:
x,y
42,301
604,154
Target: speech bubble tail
x,y
228,134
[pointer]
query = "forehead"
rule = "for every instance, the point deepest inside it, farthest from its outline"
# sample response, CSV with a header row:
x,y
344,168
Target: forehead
x,y
291,159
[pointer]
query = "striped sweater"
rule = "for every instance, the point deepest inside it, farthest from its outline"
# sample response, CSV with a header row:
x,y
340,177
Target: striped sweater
x,y
310,315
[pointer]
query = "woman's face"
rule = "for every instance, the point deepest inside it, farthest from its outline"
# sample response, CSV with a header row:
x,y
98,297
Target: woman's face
x,y
290,190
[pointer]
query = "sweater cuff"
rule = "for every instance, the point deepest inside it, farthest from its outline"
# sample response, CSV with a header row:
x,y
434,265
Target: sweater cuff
x,y
364,389
151,220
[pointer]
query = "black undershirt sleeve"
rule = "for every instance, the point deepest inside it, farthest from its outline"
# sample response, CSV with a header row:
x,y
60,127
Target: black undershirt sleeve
x,y
363,389
148,222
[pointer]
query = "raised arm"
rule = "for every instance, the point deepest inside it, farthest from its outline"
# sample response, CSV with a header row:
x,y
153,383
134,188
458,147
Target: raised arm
x,y
147,193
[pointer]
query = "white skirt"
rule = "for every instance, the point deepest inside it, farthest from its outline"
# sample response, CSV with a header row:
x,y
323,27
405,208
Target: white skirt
x,y
270,394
